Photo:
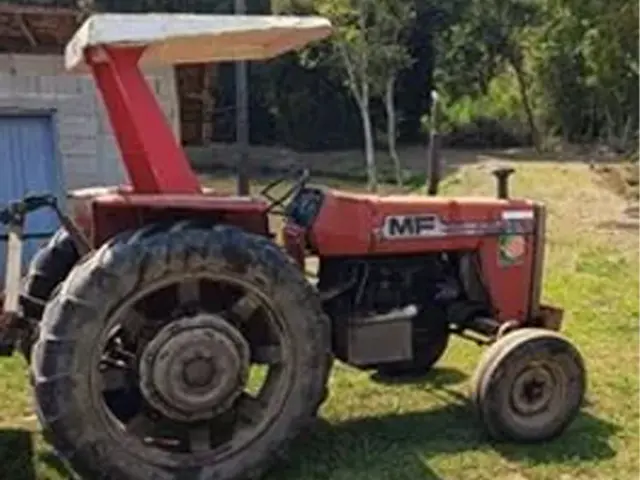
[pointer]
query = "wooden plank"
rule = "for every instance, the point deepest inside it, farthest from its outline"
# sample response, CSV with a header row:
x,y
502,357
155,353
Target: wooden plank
x,y
6,7
24,28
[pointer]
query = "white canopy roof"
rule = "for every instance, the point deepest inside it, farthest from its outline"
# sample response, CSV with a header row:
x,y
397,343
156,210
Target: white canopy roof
x,y
193,38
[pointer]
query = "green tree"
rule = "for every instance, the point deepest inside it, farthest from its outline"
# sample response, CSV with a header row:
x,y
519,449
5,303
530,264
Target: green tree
x,y
586,66
364,51
486,39
572,63
391,57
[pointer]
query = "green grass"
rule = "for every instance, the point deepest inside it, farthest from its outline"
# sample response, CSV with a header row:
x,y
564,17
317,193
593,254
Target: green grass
x,y
372,431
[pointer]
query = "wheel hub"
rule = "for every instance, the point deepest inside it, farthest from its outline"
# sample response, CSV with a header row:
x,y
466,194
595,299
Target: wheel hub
x,y
199,372
194,368
533,390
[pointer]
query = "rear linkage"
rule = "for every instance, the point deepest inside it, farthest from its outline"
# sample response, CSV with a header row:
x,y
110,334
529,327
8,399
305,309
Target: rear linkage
x,y
14,215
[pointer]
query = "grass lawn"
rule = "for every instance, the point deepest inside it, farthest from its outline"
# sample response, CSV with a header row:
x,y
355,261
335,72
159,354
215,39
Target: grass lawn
x,y
425,430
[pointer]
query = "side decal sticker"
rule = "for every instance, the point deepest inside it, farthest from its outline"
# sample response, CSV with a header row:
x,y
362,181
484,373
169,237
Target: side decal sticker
x,y
517,215
511,250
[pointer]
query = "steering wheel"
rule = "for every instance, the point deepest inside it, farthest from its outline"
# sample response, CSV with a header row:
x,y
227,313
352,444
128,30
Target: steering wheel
x,y
299,183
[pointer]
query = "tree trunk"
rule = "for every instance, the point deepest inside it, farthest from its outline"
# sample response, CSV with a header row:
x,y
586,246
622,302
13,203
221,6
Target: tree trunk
x,y
369,154
626,135
391,128
516,64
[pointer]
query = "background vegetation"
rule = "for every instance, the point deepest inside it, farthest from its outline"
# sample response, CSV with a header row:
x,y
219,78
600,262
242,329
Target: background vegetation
x,y
509,72
571,65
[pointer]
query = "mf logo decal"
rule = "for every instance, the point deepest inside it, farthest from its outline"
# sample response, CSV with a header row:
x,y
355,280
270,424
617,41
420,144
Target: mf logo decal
x,y
402,227
410,226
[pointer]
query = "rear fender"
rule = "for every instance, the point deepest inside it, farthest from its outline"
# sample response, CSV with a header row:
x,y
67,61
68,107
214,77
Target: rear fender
x,y
105,212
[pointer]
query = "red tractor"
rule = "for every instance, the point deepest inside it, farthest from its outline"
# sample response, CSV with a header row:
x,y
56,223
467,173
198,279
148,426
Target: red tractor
x,y
145,318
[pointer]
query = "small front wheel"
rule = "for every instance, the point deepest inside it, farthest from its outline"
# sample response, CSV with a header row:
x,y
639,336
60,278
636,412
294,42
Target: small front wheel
x,y
529,386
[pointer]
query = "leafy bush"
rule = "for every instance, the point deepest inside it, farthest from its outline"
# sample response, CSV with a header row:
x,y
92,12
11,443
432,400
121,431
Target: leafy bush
x,y
494,119
485,132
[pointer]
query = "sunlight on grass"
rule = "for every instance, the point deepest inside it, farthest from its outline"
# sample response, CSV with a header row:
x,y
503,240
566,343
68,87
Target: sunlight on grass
x,y
425,430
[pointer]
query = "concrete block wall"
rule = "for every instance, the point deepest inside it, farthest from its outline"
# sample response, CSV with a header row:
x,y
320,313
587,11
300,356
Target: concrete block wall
x,y
88,149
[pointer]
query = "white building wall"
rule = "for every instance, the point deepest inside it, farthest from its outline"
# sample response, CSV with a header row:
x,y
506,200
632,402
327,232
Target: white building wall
x,y
88,149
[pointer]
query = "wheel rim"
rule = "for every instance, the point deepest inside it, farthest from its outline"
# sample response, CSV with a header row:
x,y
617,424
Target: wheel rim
x,y
538,390
194,367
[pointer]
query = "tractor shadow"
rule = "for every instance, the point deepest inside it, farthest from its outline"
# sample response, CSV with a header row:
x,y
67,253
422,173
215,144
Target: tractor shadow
x,y
18,458
399,446
393,446
16,455
439,377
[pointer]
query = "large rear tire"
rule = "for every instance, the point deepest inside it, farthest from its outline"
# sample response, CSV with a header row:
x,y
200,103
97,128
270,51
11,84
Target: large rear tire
x,y
48,269
529,386
141,365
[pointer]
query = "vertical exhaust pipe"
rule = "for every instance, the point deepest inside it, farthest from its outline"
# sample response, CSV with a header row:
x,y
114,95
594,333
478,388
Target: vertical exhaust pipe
x,y
433,151
502,182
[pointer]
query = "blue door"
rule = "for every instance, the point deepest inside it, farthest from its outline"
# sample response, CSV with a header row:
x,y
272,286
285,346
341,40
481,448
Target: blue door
x,y
28,164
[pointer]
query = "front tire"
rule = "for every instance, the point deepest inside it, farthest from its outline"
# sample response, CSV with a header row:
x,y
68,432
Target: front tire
x,y
141,366
529,386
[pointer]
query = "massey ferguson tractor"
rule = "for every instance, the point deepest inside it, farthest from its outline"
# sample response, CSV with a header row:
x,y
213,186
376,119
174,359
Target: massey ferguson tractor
x,y
169,334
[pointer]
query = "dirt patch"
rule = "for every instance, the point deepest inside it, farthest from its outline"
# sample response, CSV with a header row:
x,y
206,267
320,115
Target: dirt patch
x,y
349,165
581,207
622,179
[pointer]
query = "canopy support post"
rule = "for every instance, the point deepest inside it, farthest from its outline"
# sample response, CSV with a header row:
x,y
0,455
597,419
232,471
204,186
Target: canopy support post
x,y
150,151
